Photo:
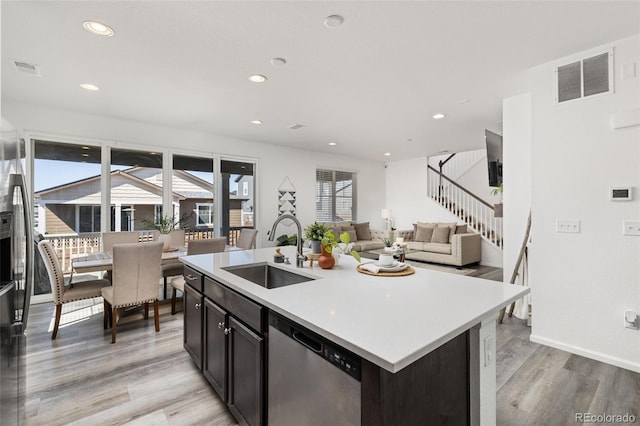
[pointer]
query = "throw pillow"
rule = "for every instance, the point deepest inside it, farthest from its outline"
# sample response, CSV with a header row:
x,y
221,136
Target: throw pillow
x,y
424,233
440,235
452,229
352,233
363,232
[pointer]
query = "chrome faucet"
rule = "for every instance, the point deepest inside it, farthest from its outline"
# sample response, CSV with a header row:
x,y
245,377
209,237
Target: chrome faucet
x,y
300,258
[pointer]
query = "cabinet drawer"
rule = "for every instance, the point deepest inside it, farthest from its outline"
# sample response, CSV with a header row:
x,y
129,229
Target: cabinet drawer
x,y
193,278
237,305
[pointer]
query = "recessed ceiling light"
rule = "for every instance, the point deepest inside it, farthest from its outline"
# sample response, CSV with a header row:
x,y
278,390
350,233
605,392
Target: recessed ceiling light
x,y
89,86
85,148
98,28
438,116
464,101
333,21
257,78
85,155
278,62
409,140
257,122
152,153
332,144
387,154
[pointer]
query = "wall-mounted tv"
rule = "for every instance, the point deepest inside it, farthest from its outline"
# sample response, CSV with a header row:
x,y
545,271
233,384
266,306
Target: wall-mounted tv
x,y
494,157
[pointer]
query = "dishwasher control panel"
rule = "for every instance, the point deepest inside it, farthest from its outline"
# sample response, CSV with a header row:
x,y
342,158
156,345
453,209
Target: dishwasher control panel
x,y
341,358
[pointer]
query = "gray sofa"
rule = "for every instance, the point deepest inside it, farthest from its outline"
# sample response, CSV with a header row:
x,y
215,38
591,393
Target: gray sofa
x,y
460,248
362,236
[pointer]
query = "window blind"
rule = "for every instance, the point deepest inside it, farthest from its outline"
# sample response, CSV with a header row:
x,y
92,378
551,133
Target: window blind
x,y
335,191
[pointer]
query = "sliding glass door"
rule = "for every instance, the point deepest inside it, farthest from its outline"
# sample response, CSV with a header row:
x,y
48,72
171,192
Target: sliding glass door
x,y
238,183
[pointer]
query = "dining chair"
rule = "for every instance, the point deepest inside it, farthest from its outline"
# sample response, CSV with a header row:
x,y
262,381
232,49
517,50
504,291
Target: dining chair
x,y
209,245
65,293
177,268
135,275
111,238
247,238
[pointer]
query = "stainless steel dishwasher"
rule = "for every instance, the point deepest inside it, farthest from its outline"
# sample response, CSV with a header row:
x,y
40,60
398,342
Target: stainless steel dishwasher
x,y
311,380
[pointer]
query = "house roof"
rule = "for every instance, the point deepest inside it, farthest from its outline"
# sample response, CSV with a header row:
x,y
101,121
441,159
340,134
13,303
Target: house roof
x,y
123,173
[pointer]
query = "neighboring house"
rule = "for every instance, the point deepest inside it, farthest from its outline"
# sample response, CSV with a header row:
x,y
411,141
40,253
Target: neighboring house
x,y
74,208
242,202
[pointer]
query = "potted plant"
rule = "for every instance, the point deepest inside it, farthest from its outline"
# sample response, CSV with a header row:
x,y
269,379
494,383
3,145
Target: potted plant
x,y
164,225
332,248
387,244
497,208
314,233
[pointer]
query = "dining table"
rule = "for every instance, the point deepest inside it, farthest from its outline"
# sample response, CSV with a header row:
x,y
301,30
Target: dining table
x,y
103,261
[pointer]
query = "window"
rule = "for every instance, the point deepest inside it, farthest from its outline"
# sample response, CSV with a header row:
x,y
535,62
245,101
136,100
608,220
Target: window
x,y
335,194
204,215
89,219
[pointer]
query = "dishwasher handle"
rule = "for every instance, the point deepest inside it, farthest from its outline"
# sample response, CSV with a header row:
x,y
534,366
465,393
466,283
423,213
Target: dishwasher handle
x,y
307,341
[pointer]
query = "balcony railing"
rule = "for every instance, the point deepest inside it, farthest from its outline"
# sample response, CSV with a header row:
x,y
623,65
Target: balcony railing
x,y
70,246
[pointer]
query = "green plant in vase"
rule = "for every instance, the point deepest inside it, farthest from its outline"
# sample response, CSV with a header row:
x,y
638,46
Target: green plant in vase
x,y
314,233
342,245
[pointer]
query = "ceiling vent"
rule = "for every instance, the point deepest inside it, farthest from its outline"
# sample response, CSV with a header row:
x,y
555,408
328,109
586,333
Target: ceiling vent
x,y
585,77
27,67
296,126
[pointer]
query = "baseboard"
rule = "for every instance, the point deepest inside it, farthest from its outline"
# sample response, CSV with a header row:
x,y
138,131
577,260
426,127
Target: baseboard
x,y
496,265
587,353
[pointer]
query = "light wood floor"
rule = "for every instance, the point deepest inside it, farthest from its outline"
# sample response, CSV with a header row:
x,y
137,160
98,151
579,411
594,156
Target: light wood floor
x,y
148,378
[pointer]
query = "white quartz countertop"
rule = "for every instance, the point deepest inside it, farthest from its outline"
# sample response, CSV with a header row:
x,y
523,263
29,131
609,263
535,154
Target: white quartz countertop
x,y
390,321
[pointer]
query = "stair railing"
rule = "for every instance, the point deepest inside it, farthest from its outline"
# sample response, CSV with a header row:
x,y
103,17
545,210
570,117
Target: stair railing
x,y
474,211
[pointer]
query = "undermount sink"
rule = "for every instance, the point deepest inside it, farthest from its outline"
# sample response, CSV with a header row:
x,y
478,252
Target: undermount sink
x,y
266,275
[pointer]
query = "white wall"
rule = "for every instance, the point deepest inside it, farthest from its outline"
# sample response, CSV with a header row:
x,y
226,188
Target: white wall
x,y
516,113
584,282
274,162
406,183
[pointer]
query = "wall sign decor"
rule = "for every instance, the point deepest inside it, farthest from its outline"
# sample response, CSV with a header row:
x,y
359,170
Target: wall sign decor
x,y
286,198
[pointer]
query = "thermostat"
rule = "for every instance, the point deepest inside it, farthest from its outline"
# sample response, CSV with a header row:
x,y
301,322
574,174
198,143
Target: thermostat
x,y
620,194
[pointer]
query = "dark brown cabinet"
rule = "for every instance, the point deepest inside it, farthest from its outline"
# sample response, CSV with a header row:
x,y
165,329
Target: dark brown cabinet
x,y
245,395
193,316
215,343
224,335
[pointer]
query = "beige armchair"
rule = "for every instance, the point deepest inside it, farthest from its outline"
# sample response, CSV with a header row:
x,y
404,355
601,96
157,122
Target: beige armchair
x,y
173,269
210,245
247,238
62,293
136,272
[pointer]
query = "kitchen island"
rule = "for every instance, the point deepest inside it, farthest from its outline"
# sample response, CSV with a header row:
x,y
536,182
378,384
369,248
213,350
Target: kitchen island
x,y
426,339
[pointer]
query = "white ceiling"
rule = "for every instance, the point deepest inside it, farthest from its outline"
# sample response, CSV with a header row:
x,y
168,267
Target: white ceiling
x,y
370,85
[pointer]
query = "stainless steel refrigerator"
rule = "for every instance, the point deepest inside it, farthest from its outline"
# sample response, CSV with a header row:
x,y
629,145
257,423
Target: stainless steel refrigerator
x,y
16,276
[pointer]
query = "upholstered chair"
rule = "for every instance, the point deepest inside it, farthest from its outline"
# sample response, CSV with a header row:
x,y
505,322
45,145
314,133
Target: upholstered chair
x,y
176,268
247,238
135,275
209,245
111,238
65,293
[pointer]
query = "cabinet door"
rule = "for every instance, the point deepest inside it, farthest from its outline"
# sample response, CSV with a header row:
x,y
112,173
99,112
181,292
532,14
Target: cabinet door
x,y
246,375
193,320
215,348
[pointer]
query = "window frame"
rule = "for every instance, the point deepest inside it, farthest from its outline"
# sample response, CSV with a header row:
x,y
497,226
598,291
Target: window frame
x,y
334,196
211,207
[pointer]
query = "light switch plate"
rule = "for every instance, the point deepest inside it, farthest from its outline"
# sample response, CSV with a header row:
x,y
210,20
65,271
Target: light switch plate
x,y
489,350
631,227
568,226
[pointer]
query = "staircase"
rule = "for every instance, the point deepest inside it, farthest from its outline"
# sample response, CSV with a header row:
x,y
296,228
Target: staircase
x,y
475,212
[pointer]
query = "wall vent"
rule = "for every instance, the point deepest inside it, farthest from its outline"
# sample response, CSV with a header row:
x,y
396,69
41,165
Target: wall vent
x,y
27,67
585,77
296,126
